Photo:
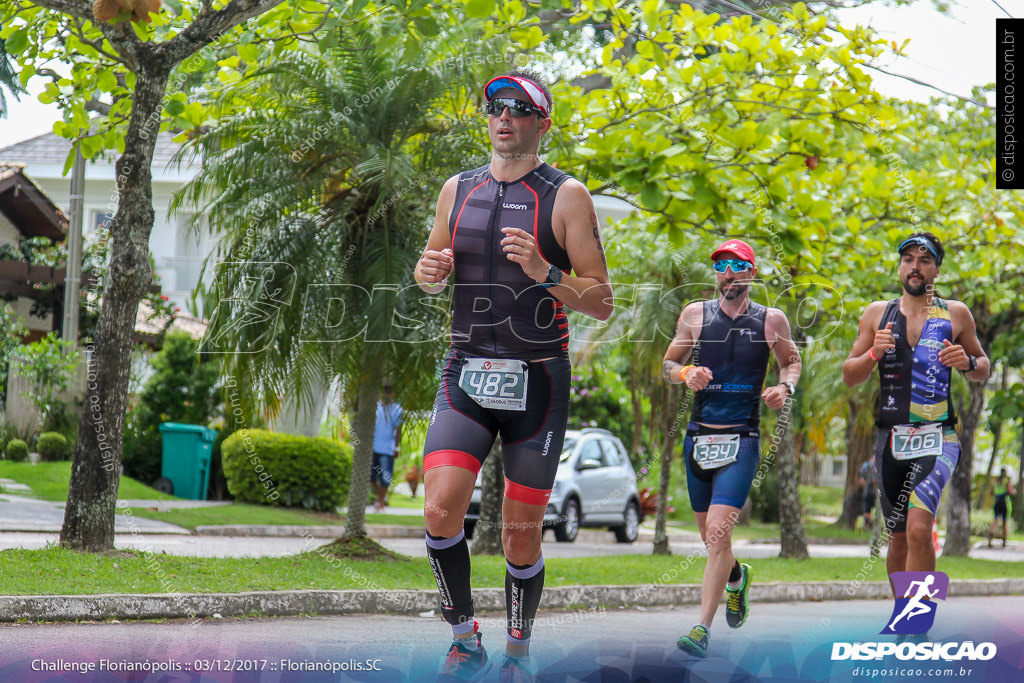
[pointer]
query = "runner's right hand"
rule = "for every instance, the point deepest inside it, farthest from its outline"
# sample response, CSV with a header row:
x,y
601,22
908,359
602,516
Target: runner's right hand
x,y
884,341
698,377
436,265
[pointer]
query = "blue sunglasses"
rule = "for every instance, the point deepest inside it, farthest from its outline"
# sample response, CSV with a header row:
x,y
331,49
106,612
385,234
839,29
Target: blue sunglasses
x,y
737,265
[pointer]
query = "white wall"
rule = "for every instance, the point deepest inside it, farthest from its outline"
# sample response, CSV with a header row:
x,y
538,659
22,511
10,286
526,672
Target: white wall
x,y
8,233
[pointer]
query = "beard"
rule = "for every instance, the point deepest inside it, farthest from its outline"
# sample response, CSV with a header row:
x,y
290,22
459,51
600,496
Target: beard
x,y
915,290
732,291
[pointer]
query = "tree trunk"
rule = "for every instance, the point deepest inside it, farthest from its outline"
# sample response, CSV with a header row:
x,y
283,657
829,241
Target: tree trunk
x,y
791,527
671,394
859,446
997,433
362,446
96,460
487,535
1018,500
958,526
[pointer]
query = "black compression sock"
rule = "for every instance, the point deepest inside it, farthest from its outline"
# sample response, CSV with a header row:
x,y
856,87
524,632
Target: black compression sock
x,y
449,559
735,575
523,587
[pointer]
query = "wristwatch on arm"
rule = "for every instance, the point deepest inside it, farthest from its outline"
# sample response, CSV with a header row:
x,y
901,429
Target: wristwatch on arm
x,y
790,387
554,277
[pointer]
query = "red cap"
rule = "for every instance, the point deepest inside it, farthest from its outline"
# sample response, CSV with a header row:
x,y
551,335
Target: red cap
x,y
737,247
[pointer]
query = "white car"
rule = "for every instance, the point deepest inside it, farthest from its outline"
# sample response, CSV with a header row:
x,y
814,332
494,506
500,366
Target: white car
x,y
595,486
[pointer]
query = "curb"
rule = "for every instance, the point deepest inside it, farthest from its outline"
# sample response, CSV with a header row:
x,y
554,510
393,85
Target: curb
x,y
298,531
414,602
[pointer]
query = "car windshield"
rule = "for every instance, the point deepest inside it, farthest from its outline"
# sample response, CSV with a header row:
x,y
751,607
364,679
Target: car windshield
x,y
567,449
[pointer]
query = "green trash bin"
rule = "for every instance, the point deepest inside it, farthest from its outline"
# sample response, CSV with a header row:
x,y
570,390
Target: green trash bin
x,y
187,450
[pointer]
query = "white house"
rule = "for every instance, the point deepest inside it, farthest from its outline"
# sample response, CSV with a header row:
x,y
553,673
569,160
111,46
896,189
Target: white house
x,y
178,255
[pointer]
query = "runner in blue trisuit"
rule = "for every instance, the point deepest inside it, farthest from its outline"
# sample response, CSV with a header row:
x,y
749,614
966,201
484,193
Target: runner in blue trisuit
x,y
732,340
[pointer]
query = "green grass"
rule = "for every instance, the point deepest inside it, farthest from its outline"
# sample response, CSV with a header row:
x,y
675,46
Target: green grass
x,y
241,513
398,500
54,571
822,501
49,481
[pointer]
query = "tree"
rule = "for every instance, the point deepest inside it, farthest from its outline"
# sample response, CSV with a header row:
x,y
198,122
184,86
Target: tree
x,y
49,366
8,79
11,333
487,534
341,162
133,64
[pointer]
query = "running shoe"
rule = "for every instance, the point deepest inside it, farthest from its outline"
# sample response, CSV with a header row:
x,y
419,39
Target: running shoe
x,y
736,606
516,670
464,663
696,642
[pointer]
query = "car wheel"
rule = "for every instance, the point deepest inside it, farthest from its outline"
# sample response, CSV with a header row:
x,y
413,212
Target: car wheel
x,y
569,525
630,528
469,525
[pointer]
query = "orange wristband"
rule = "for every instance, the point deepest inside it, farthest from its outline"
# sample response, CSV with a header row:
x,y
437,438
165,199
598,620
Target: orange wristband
x,y
871,354
682,372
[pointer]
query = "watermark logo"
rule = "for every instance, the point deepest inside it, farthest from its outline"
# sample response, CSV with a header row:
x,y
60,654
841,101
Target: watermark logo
x,y
253,295
914,613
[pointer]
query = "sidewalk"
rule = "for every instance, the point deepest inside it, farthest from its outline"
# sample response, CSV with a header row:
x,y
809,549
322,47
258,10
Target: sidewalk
x,y
31,523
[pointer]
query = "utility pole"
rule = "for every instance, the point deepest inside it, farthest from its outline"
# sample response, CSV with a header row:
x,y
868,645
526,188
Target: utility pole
x,y
73,267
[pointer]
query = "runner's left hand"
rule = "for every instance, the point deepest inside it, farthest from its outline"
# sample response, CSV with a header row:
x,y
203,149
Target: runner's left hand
x,y
520,247
775,397
954,356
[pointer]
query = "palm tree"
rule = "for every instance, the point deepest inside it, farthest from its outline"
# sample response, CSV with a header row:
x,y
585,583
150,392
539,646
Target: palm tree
x,y
323,196
8,79
666,279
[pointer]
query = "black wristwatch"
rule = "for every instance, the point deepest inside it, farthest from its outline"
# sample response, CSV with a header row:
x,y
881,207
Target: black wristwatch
x,y
554,277
973,360
790,387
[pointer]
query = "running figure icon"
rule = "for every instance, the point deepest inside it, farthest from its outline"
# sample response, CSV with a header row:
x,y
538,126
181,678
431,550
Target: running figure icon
x,y
916,595
914,607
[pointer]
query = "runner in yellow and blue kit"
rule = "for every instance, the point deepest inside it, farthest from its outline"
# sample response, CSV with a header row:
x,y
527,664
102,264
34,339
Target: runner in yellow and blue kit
x,y
915,340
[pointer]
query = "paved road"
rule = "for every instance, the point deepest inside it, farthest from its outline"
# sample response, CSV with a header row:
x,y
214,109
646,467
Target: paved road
x,y
781,642
33,524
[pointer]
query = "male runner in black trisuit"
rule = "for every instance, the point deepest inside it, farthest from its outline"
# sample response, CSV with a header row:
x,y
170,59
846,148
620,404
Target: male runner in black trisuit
x,y
731,339
915,340
510,234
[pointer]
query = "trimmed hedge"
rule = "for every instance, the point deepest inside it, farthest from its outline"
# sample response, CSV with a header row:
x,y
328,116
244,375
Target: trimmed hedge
x,y
52,446
17,450
286,470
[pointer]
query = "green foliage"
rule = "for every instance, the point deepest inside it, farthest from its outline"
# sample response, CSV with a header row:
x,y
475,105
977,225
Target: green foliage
x,y
764,499
11,332
283,469
16,450
180,390
49,366
598,398
52,446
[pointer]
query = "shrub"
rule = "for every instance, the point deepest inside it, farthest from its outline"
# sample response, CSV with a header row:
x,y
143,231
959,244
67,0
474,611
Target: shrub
x,y
17,450
181,389
286,470
52,446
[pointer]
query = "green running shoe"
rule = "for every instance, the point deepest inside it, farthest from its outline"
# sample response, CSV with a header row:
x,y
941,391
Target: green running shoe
x,y
736,606
695,643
